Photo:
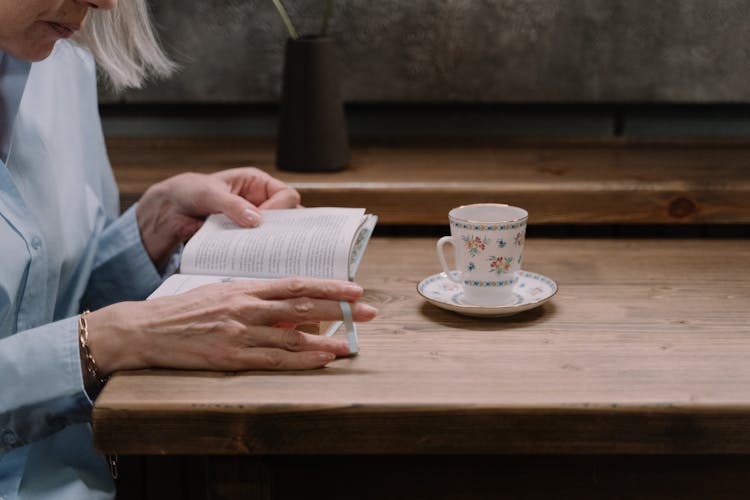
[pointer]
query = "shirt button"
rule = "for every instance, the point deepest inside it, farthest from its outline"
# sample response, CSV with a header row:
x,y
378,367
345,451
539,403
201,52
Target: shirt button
x,y
36,243
9,437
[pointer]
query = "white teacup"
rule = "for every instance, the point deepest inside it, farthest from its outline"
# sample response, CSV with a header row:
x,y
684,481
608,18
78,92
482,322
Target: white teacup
x,y
488,240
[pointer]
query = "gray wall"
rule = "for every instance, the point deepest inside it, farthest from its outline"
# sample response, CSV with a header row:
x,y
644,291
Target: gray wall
x,y
467,50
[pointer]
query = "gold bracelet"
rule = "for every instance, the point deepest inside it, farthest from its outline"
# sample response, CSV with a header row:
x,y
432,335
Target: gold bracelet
x,y
83,338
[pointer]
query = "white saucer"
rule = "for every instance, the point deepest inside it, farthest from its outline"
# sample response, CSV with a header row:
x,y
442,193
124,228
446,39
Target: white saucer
x,y
530,291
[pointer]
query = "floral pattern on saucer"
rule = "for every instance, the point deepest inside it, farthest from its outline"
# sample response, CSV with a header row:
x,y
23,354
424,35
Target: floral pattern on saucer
x,y
530,291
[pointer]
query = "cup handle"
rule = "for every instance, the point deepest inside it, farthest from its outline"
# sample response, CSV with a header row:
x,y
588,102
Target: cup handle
x,y
440,244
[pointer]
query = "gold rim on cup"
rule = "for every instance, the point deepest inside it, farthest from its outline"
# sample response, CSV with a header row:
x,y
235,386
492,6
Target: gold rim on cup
x,y
469,221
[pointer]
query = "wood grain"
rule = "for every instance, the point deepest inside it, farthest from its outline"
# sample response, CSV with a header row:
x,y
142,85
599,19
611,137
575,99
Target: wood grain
x,y
418,184
643,350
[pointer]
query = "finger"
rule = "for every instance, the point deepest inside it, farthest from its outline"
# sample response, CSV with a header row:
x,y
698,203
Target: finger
x,y
262,358
312,327
289,288
216,196
260,188
279,194
240,210
295,341
285,325
285,198
304,309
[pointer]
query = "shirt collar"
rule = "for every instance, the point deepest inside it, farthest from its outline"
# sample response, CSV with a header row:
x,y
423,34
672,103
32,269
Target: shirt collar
x,y
13,75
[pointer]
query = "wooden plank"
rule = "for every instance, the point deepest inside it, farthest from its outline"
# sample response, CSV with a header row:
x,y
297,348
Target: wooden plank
x,y
467,477
643,350
483,477
246,478
418,184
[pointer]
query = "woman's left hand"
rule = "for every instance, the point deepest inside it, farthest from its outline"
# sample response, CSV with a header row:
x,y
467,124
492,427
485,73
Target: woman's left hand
x,y
171,211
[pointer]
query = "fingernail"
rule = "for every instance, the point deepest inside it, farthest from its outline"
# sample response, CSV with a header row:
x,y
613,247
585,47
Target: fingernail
x,y
367,308
353,287
326,357
251,217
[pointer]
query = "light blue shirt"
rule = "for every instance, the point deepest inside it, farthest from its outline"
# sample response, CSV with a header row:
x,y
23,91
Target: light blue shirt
x,y
62,249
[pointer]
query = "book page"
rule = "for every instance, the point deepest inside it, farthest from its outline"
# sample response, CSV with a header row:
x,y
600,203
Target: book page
x,y
181,283
312,242
360,243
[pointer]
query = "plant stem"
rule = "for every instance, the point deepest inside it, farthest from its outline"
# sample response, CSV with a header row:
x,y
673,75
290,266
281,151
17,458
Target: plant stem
x,y
285,18
326,17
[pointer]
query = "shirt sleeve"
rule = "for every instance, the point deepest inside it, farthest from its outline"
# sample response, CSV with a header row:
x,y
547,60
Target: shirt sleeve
x,y
42,385
122,268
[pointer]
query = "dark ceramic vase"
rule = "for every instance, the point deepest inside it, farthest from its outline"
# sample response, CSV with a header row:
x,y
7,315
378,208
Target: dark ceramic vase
x,y
312,127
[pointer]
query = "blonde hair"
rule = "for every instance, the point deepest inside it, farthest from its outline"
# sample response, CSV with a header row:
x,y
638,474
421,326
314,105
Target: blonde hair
x,y
124,45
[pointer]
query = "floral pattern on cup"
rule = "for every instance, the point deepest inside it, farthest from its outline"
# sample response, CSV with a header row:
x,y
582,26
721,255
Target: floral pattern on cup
x,y
487,250
474,244
500,265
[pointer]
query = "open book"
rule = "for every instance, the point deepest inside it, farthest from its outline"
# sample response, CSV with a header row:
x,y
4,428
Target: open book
x,y
309,242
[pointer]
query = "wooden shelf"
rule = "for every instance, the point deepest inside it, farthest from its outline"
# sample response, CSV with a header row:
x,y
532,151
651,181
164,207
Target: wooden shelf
x,y
418,183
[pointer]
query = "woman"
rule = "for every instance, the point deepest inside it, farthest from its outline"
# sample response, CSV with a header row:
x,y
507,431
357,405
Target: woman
x,y
63,249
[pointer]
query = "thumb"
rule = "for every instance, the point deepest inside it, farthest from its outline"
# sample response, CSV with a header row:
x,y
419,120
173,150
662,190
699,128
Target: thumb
x,y
238,209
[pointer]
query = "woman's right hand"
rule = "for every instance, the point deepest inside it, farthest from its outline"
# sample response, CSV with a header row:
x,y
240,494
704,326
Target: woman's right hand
x,y
226,327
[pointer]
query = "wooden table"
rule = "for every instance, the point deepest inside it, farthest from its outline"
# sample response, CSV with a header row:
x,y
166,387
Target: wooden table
x,y
408,184
634,380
